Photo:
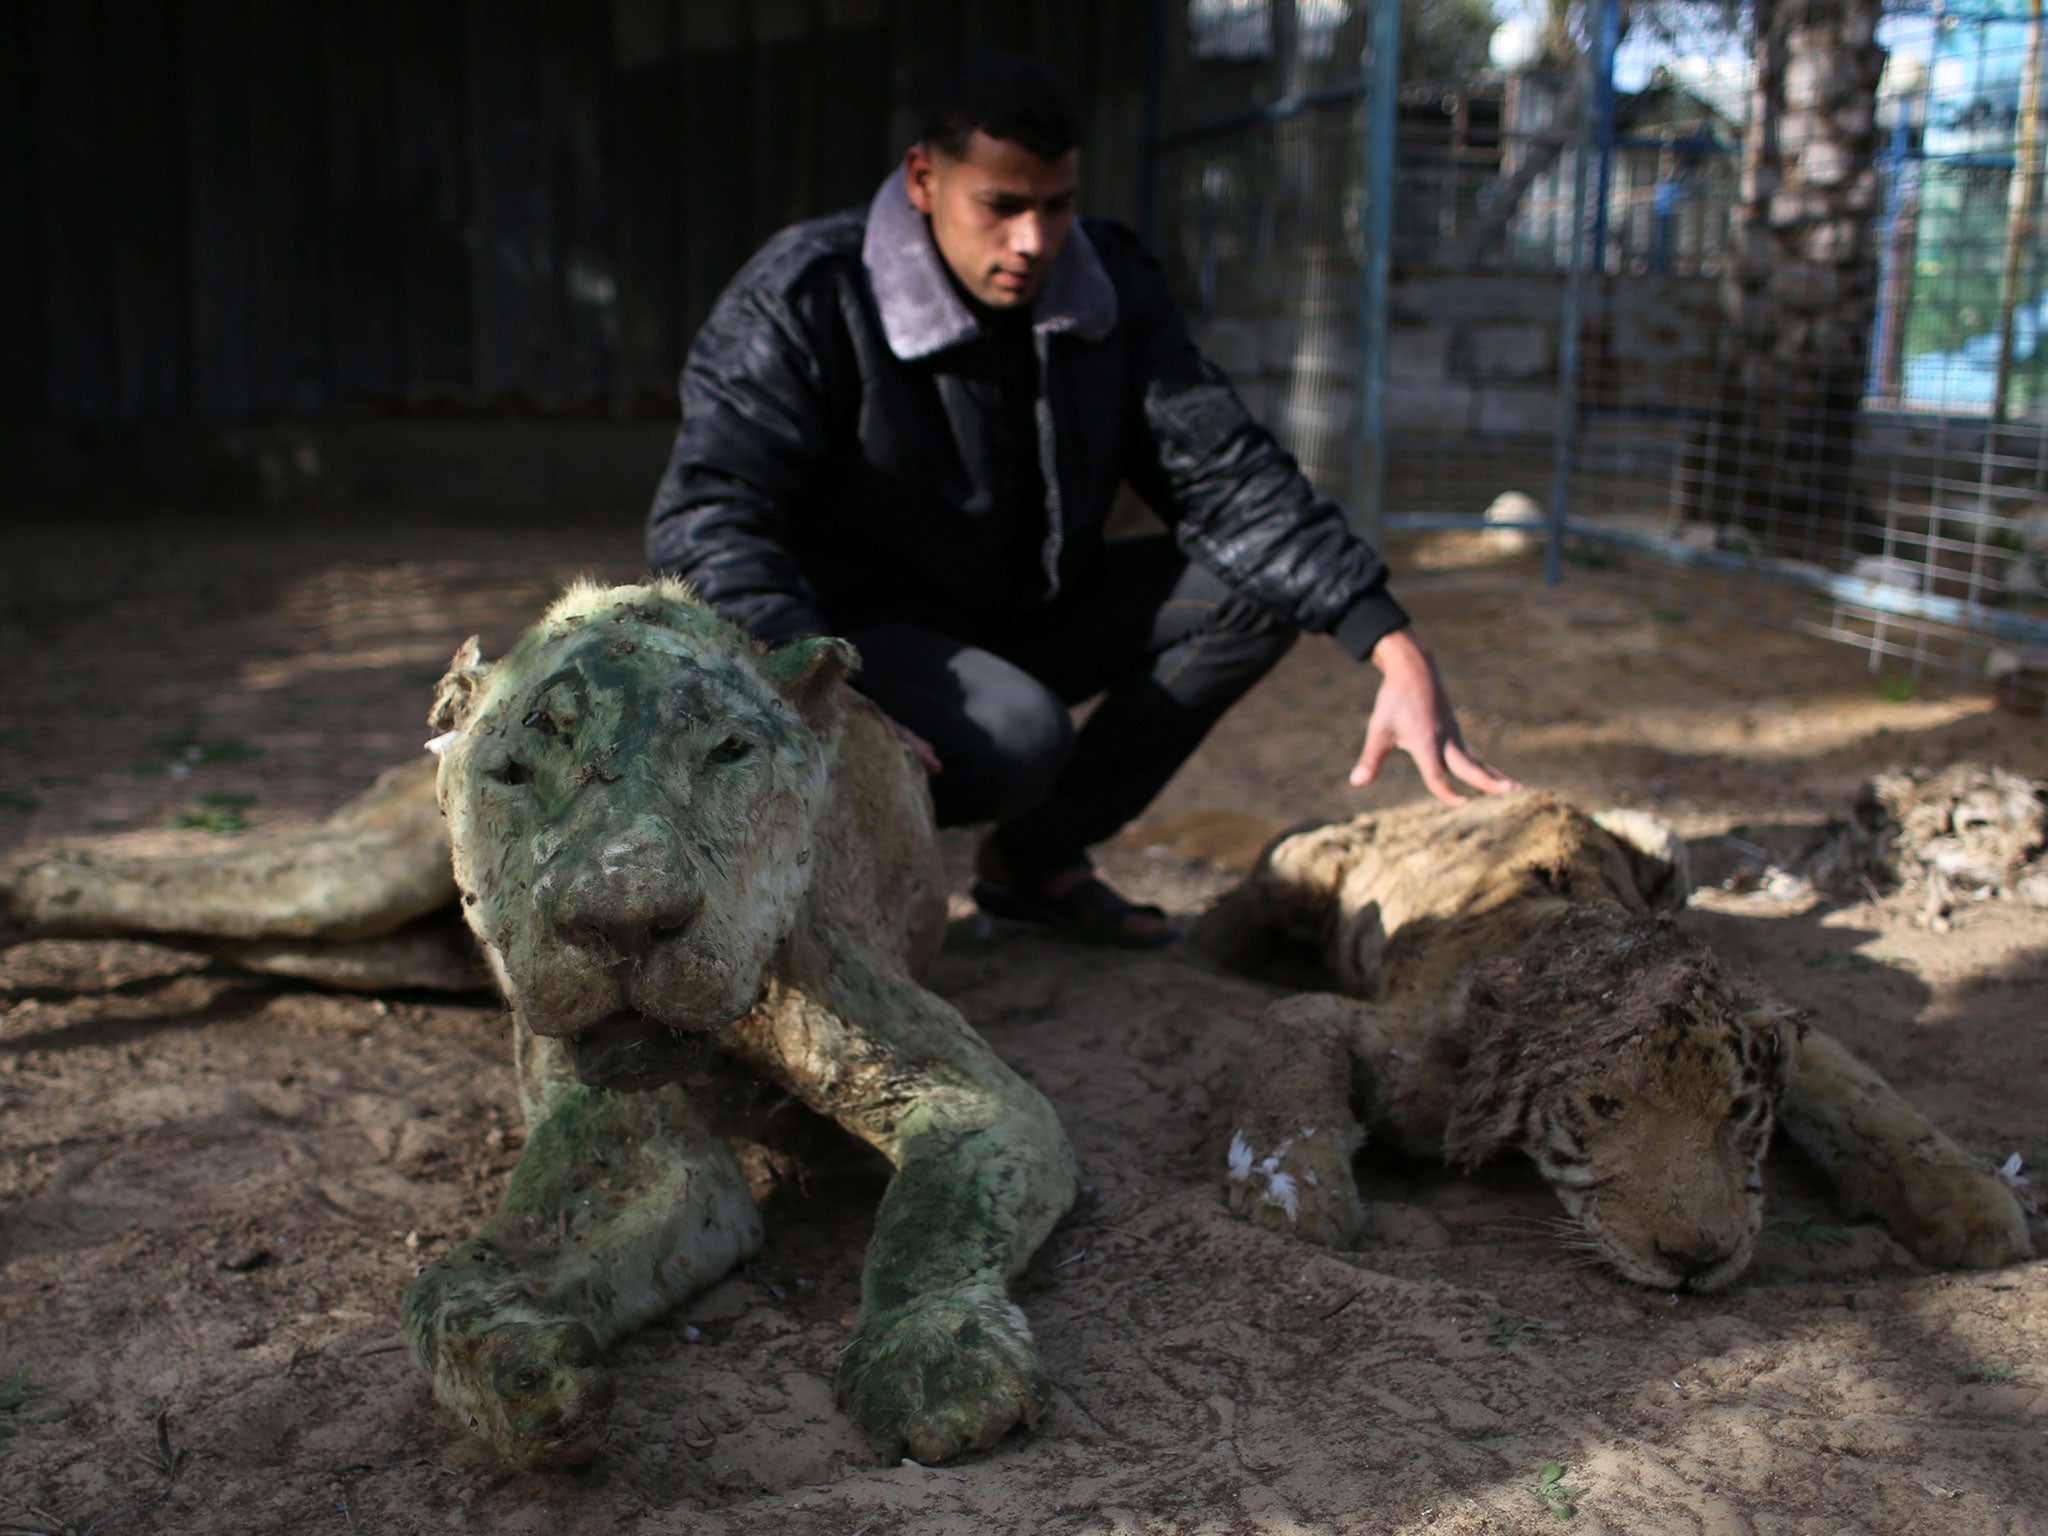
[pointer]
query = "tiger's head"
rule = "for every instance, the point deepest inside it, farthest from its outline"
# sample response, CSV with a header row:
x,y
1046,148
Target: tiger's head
x,y
1641,1078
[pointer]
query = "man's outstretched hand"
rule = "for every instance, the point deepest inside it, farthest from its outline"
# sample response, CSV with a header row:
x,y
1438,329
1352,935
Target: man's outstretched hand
x,y
1414,714
927,756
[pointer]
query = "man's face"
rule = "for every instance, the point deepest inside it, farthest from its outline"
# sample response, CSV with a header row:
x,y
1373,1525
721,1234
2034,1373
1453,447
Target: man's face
x,y
999,215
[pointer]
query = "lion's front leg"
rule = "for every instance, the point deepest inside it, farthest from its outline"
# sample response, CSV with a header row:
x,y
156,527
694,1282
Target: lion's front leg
x,y
1886,1159
620,1206
1294,1133
941,1360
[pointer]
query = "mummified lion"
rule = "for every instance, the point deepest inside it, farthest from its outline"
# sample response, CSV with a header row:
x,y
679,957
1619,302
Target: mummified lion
x,y
1521,994
663,835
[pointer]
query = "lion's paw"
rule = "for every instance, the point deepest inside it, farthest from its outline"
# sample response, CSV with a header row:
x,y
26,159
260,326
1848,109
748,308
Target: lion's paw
x,y
1303,1185
950,1373
1961,1218
537,1391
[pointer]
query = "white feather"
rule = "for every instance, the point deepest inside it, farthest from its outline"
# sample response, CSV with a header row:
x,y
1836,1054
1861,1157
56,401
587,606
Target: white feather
x,y
1240,1158
1280,1191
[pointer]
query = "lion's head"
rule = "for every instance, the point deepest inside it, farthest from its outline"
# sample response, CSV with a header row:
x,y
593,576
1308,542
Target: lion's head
x,y
1642,1080
630,796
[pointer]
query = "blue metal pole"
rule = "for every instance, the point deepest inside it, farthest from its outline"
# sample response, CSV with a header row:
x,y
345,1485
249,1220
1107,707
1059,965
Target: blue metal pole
x,y
1606,39
1375,271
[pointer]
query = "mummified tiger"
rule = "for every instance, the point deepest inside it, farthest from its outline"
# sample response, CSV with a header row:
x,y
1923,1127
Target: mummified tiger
x,y
1512,989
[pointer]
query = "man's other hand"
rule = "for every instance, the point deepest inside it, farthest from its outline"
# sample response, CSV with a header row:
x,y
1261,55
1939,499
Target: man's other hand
x,y
1414,714
921,749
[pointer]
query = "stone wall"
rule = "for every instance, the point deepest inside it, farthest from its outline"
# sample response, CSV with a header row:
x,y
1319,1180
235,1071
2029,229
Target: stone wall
x,y
1472,359
1475,358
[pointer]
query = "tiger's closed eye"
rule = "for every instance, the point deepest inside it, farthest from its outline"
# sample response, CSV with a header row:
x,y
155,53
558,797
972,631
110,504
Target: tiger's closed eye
x,y
511,772
730,750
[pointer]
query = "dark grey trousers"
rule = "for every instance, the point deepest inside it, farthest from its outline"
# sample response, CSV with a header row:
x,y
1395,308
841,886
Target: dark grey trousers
x,y
1167,645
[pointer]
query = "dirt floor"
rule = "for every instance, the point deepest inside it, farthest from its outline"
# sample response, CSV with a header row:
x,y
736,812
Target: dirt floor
x,y
212,1189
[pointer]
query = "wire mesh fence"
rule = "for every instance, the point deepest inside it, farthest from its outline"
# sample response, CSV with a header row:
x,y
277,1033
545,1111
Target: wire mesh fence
x,y
1767,301
1857,432
1261,195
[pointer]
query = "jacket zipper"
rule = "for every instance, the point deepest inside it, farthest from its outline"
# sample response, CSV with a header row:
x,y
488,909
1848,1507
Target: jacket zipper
x,y
1048,465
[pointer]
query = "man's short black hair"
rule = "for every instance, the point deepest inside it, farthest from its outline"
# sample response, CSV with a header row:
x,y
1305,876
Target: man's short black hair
x,y
1006,96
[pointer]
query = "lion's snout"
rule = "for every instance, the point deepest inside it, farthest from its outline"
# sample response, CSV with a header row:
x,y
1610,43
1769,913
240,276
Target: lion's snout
x,y
631,931
642,929
597,933
626,902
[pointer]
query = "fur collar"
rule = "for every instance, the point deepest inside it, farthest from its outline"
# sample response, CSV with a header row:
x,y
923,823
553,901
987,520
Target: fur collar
x,y
921,312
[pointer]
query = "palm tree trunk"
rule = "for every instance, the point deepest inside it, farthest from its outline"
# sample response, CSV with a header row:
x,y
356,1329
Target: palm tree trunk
x,y
1802,298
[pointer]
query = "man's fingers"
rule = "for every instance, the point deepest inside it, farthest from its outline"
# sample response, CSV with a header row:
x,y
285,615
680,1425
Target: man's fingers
x,y
1377,745
1413,713
1475,771
1435,778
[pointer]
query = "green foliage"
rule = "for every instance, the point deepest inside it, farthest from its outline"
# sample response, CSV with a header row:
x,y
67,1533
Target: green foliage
x,y
1958,261
2000,1373
215,813
14,1395
1549,1487
1505,1331
208,821
1895,687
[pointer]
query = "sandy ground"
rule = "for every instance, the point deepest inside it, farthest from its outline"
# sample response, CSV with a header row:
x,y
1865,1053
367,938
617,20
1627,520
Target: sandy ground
x,y
213,1189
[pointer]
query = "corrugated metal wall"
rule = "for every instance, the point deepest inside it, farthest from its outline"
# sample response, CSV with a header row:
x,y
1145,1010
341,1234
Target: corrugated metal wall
x,y
218,209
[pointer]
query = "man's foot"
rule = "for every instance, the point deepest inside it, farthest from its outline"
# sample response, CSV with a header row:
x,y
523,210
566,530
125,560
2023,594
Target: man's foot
x,y
1072,901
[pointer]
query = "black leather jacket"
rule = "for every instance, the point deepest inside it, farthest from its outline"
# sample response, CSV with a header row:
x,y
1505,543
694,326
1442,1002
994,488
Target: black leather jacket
x,y
828,473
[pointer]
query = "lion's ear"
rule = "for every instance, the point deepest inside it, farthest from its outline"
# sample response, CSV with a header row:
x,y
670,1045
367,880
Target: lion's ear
x,y
456,694
807,672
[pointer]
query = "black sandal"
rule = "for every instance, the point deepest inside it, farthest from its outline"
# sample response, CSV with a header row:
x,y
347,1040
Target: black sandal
x,y
1087,910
